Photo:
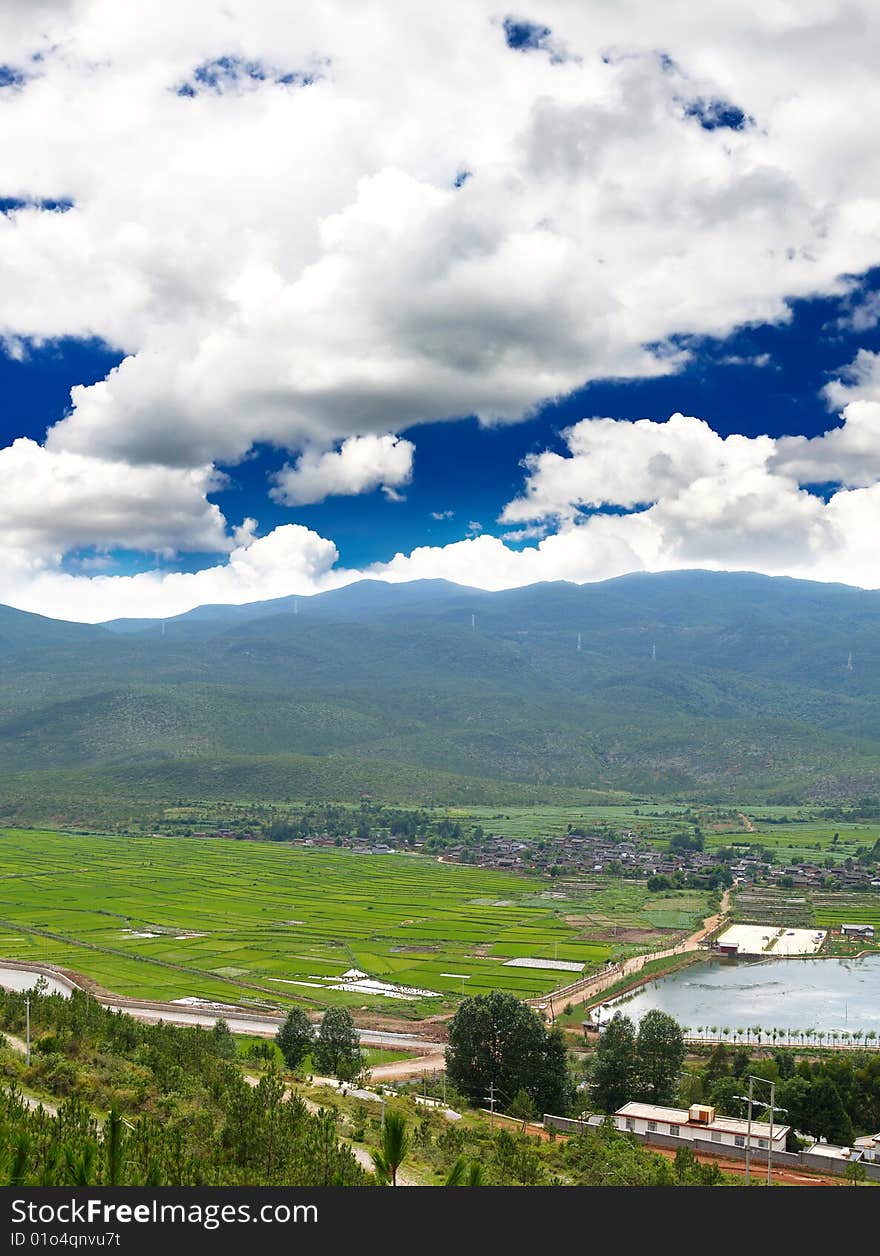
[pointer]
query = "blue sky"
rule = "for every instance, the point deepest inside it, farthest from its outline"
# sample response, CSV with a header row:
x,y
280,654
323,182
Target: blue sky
x,y
285,303
472,470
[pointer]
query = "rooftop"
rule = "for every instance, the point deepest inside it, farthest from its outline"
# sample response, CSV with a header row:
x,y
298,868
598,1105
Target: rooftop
x,y
680,1116
833,1153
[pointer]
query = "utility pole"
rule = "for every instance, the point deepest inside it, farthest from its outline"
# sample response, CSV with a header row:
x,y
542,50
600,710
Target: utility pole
x,y
770,1141
749,1098
749,1134
773,1109
27,1055
490,1099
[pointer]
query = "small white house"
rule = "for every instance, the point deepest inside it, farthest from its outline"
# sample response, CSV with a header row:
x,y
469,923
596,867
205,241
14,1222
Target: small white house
x,y
697,1123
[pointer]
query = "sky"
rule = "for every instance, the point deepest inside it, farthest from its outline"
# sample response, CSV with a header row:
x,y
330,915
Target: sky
x,y
294,296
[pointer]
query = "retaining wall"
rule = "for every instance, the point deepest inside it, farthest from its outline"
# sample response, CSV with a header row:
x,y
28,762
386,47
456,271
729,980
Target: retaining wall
x,y
814,1162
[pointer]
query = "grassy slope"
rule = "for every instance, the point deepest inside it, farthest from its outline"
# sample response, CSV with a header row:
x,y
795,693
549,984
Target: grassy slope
x,y
749,695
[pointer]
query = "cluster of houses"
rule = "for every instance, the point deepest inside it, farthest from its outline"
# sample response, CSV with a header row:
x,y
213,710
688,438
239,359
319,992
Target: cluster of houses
x,y
580,852
813,875
623,854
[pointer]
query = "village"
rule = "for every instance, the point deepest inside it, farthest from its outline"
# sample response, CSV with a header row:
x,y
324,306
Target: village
x,y
624,854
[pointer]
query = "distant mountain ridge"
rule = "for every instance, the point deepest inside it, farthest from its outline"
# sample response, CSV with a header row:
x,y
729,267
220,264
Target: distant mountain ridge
x,y
681,682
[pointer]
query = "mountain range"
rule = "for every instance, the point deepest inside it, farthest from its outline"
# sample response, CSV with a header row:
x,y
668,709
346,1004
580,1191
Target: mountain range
x,y
693,683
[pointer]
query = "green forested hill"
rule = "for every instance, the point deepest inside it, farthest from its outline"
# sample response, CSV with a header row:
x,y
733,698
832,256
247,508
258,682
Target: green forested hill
x,y
709,683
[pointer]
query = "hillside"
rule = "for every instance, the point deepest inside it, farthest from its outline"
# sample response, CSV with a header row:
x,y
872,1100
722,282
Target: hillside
x,y
687,682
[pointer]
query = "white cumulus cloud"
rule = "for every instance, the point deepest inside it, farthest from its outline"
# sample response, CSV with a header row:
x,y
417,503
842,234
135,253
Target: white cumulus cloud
x,y
360,465
291,559
55,501
311,226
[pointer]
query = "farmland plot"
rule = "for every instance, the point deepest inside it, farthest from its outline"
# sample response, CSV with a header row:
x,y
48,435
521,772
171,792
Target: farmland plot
x,y
166,918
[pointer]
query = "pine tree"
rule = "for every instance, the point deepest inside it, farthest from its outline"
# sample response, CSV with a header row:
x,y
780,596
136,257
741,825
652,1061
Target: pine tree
x,y
295,1038
337,1050
614,1076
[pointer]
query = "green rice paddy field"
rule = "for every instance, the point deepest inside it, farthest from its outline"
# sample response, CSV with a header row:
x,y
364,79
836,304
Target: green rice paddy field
x,y
241,921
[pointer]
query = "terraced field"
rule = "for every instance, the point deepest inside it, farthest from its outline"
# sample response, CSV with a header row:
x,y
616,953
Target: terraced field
x,y
855,909
798,839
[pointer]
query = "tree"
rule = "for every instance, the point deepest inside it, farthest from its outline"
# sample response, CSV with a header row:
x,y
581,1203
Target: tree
x,y
224,1043
718,1064
464,1174
516,1161
855,1173
295,1038
724,1095
337,1050
522,1108
826,1116
660,1052
614,1076
114,1141
392,1152
499,1045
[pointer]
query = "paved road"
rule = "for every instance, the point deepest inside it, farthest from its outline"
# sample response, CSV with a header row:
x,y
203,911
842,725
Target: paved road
x,y
259,1025
15,976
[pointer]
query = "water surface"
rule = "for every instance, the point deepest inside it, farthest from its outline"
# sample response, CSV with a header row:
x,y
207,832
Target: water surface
x,y
821,994
26,979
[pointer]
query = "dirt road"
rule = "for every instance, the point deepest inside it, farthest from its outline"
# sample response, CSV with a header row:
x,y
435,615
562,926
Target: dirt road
x,y
400,1069
584,991
30,1101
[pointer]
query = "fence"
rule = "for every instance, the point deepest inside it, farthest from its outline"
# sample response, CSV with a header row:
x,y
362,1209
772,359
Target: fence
x,y
813,1162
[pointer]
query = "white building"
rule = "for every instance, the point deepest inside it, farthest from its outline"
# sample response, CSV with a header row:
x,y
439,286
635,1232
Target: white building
x,y
828,1151
869,1147
697,1123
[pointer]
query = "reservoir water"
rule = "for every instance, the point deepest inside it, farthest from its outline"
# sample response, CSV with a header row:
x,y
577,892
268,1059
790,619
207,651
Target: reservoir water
x,y
26,978
829,995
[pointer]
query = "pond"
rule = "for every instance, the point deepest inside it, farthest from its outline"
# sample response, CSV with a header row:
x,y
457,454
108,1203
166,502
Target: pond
x,y
829,995
26,979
